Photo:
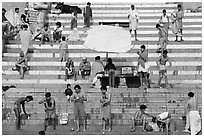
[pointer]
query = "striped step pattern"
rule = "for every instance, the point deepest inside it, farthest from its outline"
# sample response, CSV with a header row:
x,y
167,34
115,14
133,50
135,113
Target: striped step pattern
x,y
124,103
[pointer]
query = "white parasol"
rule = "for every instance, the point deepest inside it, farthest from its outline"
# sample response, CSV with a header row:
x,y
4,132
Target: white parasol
x,y
108,39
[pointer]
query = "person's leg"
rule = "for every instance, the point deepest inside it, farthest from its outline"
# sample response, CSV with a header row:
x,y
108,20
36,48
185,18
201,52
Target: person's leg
x,y
145,79
110,78
54,36
18,119
136,35
166,80
133,124
109,124
66,74
84,123
21,73
82,74
113,78
45,124
141,79
160,78
88,22
130,31
181,30
103,124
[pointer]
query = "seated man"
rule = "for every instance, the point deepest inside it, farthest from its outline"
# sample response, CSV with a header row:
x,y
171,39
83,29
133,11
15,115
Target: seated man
x,y
139,118
70,70
21,65
45,35
84,68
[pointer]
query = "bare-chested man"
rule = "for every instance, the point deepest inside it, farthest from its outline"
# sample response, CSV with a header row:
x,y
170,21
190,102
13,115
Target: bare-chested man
x,y
17,109
50,110
193,114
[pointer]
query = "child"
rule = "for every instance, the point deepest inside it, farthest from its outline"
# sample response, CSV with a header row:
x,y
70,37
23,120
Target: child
x,y
74,36
57,34
161,64
68,92
63,49
106,108
17,109
164,20
69,69
162,42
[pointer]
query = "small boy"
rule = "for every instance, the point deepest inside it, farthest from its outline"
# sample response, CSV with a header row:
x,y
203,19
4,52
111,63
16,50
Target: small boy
x,y
162,42
63,49
105,108
57,34
164,20
161,64
68,92
17,109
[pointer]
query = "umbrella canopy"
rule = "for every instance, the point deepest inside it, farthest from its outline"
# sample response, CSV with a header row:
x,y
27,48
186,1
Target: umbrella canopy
x,y
108,39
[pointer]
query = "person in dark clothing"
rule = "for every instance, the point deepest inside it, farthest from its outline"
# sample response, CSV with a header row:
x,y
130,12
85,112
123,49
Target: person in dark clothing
x,y
87,13
110,68
25,17
3,15
68,92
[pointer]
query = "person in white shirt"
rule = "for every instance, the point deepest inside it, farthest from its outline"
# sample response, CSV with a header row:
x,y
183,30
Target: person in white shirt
x,y
133,16
17,20
163,120
164,21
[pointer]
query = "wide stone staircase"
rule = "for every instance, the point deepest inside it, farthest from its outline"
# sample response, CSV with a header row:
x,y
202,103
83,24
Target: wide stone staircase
x,y
45,74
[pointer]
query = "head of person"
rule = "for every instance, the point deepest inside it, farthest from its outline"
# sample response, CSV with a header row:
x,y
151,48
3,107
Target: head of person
x,y
58,24
63,38
75,14
17,10
143,108
179,7
190,94
25,26
21,54
46,26
132,7
41,133
3,11
142,48
69,59
77,88
164,11
48,96
84,59
158,26
29,98
103,89
165,52
109,61
26,10
97,58
89,3
68,85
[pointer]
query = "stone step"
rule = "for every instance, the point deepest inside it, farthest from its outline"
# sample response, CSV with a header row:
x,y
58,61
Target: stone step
x,y
134,63
134,47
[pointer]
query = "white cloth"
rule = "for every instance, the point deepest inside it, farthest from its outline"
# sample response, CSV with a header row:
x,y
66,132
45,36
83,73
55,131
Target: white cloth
x,y
195,122
96,78
25,40
133,17
163,115
17,20
74,36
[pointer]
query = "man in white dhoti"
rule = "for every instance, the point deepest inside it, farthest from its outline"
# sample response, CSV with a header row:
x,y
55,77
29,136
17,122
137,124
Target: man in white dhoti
x,y
25,38
133,16
193,114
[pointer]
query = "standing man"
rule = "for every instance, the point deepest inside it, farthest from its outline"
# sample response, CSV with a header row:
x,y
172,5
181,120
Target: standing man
x,y
142,65
164,20
79,97
17,20
97,70
87,13
50,110
193,114
133,16
179,17
105,108
162,41
161,64
17,109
